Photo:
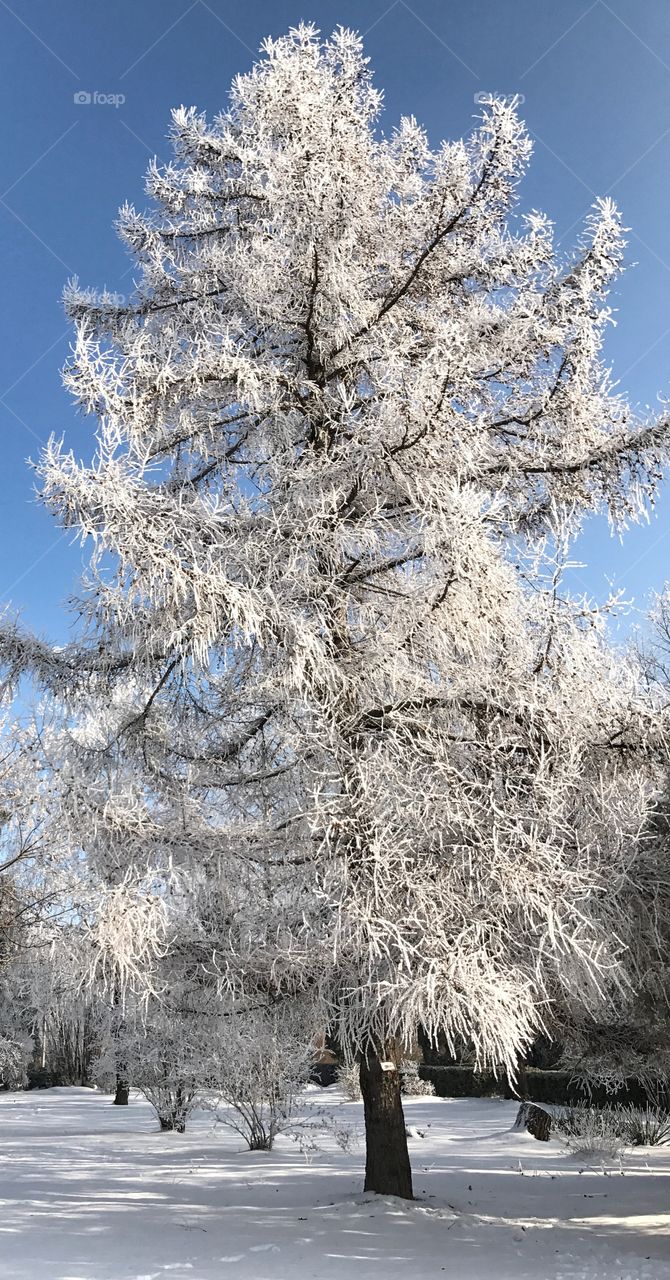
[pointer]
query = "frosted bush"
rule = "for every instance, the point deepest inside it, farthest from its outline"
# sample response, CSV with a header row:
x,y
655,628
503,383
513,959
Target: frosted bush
x,y
348,1078
163,1059
173,1100
267,1061
587,1130
645,1126
411,1084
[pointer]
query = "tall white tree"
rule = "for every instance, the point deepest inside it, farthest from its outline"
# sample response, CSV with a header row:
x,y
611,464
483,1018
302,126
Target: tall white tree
x,y
355,408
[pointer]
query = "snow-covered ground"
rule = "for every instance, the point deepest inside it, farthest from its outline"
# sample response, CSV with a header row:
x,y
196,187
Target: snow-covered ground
x,y
94,1192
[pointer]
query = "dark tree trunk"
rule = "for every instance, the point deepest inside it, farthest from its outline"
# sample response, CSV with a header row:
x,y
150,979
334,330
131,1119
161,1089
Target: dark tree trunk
x,y
121,1095
387,1167
122,1084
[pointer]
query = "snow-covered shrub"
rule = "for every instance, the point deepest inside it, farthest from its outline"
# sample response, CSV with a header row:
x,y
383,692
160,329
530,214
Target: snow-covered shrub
x,y
172,1100
587,1130
267,1061
411,1084
645,1126
14,1059
348,1078
307,1131
163,1060
610,1129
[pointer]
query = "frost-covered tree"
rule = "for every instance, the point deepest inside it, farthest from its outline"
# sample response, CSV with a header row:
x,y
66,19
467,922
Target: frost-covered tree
x,y
32,893
353,411
26,890
14,1058
632,1040
45,994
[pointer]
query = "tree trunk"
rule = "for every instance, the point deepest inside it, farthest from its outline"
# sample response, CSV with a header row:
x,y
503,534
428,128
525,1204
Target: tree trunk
x,y
121,1095
387,1167
122,1085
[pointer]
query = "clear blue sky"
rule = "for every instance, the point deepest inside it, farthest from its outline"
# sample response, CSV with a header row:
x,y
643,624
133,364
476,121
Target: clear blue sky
x,y
596,81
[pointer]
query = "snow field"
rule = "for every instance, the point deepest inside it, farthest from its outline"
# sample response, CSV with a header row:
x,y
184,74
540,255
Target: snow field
x,y
94,1192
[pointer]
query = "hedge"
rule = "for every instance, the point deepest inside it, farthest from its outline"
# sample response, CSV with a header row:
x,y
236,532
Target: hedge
x,y
541,1086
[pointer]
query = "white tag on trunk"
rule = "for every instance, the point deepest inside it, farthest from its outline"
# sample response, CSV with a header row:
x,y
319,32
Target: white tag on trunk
x,y
387,1066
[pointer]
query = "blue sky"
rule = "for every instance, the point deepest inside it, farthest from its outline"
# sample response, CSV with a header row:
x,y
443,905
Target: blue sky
x,y
596,82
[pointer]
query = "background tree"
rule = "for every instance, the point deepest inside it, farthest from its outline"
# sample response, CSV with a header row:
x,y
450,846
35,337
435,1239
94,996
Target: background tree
x,y
29,848
353,410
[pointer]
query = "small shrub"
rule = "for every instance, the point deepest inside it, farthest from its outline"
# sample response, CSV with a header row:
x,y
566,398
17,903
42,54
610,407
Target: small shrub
x,y
173,1105
268,1059
348,1078
589,1130
645,1127
103,1069
39,1077
162,1060
411,1084
173,1098
610,1129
